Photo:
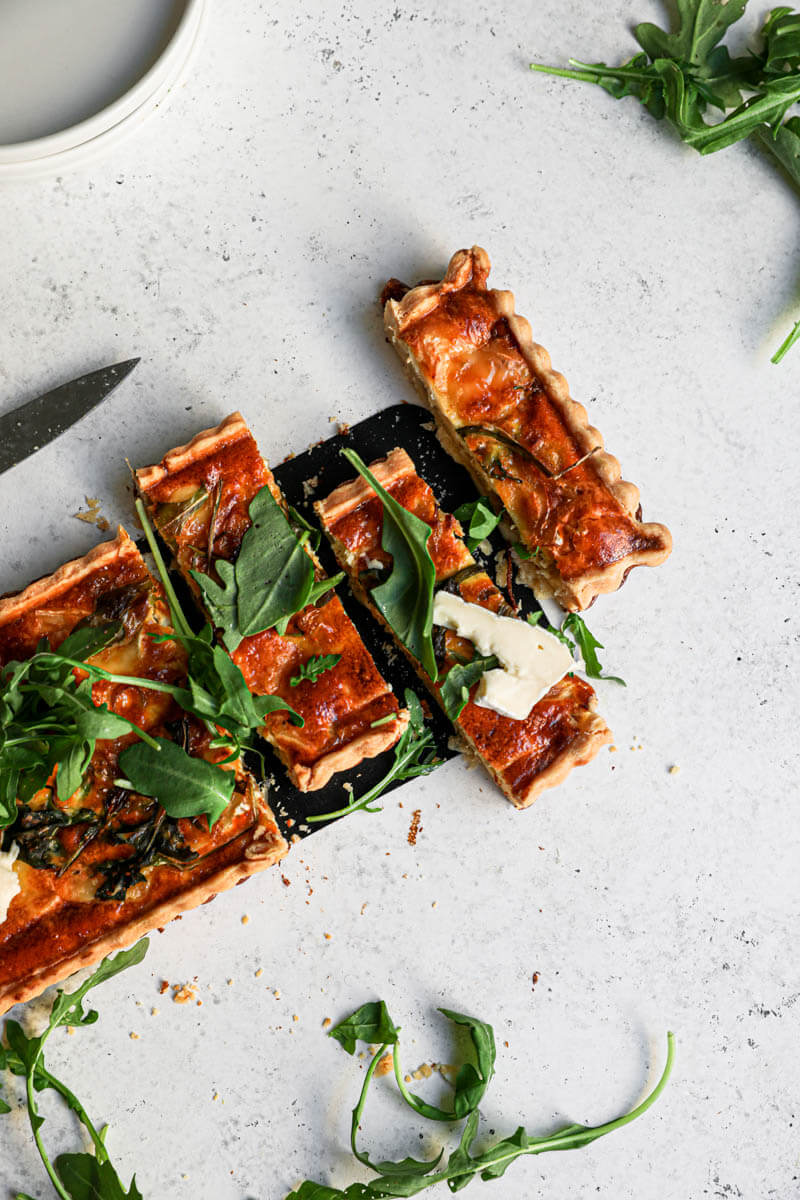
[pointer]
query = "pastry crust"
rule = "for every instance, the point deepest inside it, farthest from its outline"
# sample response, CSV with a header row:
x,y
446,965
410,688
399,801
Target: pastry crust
x,y
571,507
57,923
340,707
524,757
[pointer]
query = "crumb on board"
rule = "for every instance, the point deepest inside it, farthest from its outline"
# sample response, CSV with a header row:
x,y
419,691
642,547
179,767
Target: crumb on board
x,y
133,1036
364,907
259,972
674,769
245,919
153,1012
327,936
163,987
326,1022
295,1017
415,828
182,994
286,882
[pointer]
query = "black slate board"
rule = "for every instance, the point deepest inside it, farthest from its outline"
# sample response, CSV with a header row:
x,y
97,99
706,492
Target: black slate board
x,y
312,476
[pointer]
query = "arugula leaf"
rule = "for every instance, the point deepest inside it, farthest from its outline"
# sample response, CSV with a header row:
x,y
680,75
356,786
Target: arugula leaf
x,y
681,74
478,520
222,601
272,579
703,24
410,1176
414,754
184,786
405,598
370,1023
73,1176
588,645
313,667
458,681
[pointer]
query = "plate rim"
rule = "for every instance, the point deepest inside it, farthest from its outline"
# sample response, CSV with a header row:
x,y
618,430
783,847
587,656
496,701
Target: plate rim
x,y
108,118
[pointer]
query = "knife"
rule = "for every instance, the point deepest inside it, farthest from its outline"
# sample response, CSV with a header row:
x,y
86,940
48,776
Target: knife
x,y
27,428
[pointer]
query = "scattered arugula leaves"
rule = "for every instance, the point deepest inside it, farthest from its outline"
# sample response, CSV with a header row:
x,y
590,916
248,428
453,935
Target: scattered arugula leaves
x,y
372,1023
679,76
414,754
81,1176
576,635
49,720
184,786
272,578
458,681
405,598
478,520
313,667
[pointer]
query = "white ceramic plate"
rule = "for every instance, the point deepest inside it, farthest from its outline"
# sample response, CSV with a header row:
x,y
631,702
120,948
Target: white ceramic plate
x,y
75,75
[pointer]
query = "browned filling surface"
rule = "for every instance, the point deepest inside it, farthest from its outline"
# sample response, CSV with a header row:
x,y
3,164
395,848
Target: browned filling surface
x,y
517,751
202,511
81,864
486,388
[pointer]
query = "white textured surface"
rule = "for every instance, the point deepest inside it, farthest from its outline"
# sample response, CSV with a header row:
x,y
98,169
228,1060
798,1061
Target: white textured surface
x,y
237,244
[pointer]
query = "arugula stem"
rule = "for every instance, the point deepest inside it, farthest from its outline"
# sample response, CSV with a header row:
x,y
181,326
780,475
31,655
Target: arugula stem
x,y
431,1111
786,345
359,1108
179,621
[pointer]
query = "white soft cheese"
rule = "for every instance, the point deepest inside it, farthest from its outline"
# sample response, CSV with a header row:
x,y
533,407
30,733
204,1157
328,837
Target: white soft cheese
x,y
532,659
9,880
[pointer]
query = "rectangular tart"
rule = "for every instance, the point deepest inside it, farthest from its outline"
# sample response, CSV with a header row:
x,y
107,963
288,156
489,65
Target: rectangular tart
x,y
101,869
198,498
504,414
523,756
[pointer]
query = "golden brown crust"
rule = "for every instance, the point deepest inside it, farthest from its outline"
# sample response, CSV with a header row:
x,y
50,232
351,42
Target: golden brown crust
x,y
55,924
467,273
47,589
523,757
340,707
270,849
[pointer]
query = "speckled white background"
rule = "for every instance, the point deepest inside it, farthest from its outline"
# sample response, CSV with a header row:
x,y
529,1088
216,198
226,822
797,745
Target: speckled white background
x,y
237,243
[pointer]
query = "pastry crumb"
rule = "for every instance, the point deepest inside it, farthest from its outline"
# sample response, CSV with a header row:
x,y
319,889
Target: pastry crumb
x,y
153,1012
245,919
286,882
183,995
295,1017
164,987
674,769
259,972
385,1065
133,1036
415,828
93,516
327,936
326,1022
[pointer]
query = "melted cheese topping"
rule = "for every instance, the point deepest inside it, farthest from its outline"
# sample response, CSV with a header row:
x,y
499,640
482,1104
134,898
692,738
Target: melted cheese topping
x,y
532,659
9,880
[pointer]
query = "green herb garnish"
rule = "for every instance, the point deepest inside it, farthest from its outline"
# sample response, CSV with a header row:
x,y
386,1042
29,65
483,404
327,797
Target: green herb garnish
x,y
271,580
680,76
458,681
405,598
575,634
372,1024
414,754
313,667
48,720
478,520
80,1176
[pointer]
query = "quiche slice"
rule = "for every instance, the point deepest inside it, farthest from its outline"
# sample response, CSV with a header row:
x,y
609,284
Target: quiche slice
x,y
198,498
504,414
95,872
523,756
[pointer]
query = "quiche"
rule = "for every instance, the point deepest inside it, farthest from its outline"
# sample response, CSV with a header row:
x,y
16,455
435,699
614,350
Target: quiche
x,y
523,756
198,498
504,414
96,871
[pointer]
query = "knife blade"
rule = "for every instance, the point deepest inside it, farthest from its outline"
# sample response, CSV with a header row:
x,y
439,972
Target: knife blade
x,y
27,428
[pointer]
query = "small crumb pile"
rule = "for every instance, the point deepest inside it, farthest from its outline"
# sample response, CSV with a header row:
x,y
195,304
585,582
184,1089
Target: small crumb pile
x,y
93,515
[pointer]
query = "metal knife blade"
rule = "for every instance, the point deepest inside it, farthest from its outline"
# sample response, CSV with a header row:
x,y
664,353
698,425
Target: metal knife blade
x,y
27,428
